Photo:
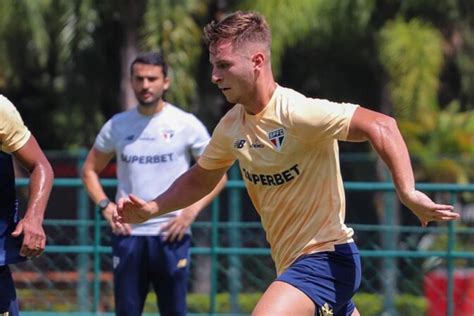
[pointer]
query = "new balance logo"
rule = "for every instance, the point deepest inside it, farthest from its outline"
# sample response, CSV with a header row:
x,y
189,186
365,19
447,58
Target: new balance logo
x,y
182,263
239,143
115,261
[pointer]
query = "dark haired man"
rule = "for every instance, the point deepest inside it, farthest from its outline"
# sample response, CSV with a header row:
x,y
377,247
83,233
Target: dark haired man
x,y
153,144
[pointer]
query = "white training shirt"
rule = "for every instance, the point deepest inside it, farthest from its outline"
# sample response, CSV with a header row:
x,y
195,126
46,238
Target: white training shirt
x,y
151,151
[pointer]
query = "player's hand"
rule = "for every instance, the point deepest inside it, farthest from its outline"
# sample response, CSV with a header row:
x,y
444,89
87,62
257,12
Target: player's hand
x,y
134,210
34,238
117,229
176,228
426,210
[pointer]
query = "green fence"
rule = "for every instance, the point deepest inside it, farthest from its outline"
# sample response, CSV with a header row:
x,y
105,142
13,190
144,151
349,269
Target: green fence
x,y
231,264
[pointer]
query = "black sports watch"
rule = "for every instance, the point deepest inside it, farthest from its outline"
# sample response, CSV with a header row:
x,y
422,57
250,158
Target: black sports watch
x,y
103,204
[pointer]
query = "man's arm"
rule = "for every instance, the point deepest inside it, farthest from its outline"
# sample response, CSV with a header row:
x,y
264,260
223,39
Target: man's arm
x,y
32,158
95,162
383,133
190,187
176,228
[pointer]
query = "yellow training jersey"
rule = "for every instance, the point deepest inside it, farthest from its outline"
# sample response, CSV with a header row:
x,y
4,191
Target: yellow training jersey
x,y
289,159
13,132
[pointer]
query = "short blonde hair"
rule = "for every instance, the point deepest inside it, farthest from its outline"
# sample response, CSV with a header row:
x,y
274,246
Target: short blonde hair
x,y
239,27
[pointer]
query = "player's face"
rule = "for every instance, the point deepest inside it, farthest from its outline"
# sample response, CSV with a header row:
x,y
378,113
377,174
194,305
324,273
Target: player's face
x,y
232,71
148,83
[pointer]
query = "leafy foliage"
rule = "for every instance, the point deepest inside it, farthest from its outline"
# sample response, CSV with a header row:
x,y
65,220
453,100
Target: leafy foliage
x,y
412,53
310,20
62,64
170,26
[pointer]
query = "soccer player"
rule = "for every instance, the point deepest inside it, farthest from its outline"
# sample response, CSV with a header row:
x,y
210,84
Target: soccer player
x,y
287,148
19,238
153,144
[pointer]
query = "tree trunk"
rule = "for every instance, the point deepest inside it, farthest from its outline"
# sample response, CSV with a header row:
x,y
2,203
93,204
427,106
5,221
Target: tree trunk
x,y
131,12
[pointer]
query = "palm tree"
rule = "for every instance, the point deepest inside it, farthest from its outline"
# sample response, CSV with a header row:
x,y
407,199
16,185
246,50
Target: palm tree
x,y
412,53
172,28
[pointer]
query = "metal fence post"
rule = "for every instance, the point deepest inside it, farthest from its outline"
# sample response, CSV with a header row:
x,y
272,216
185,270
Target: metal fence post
x,y
214,245
235,241
389,240
82,258
96,284
450,263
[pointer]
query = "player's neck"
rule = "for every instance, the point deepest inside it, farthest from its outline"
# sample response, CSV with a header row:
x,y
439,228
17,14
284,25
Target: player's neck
x,y
263,94
151,109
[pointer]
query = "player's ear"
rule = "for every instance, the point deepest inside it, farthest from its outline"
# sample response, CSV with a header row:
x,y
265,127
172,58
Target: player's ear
x,y
166,82
258,60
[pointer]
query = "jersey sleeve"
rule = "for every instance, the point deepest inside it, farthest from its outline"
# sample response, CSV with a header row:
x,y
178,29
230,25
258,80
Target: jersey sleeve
x,y
317,120
104,141
218,154
199,136
13,132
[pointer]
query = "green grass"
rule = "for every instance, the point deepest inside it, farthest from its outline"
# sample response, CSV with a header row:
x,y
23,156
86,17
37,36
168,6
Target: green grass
x,y
65,301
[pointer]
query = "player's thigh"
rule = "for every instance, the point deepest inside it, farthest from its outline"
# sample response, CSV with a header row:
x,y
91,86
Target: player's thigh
x,y
355,312
283,299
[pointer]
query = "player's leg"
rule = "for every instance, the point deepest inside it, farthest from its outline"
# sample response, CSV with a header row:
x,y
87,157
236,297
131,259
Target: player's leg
x,y
131,282
170,277
8,301
282,299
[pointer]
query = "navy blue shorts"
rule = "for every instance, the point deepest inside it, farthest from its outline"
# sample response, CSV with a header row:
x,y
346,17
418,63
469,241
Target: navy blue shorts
x,y
8,302
329,278
143,260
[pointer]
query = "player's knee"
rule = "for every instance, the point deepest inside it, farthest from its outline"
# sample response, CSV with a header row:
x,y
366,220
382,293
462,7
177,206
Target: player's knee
x,y
355,312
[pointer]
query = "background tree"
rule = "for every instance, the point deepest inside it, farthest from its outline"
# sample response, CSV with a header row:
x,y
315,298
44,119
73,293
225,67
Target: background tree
x,y
67,64
171,26
440,137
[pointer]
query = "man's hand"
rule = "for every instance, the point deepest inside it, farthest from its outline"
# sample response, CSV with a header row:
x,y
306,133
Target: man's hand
x,y
34,238
134,210
108,212
175,229
426,210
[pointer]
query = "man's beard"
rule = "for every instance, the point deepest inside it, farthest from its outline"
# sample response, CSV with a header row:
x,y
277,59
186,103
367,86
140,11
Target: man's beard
x,y
147,104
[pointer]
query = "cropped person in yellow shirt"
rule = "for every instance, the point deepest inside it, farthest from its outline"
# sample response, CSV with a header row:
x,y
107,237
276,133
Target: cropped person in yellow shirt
x,y
287,149
20,237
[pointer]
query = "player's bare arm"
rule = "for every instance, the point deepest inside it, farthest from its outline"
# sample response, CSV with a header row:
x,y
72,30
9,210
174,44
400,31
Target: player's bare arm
x,y
383,133
190,187
32,158
176,228
96,161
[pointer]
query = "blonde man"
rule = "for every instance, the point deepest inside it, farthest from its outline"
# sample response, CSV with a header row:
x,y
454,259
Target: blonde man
x,y
287,148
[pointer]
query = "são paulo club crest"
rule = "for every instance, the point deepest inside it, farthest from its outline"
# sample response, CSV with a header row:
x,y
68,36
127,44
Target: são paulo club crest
x,y
167,134
277,137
